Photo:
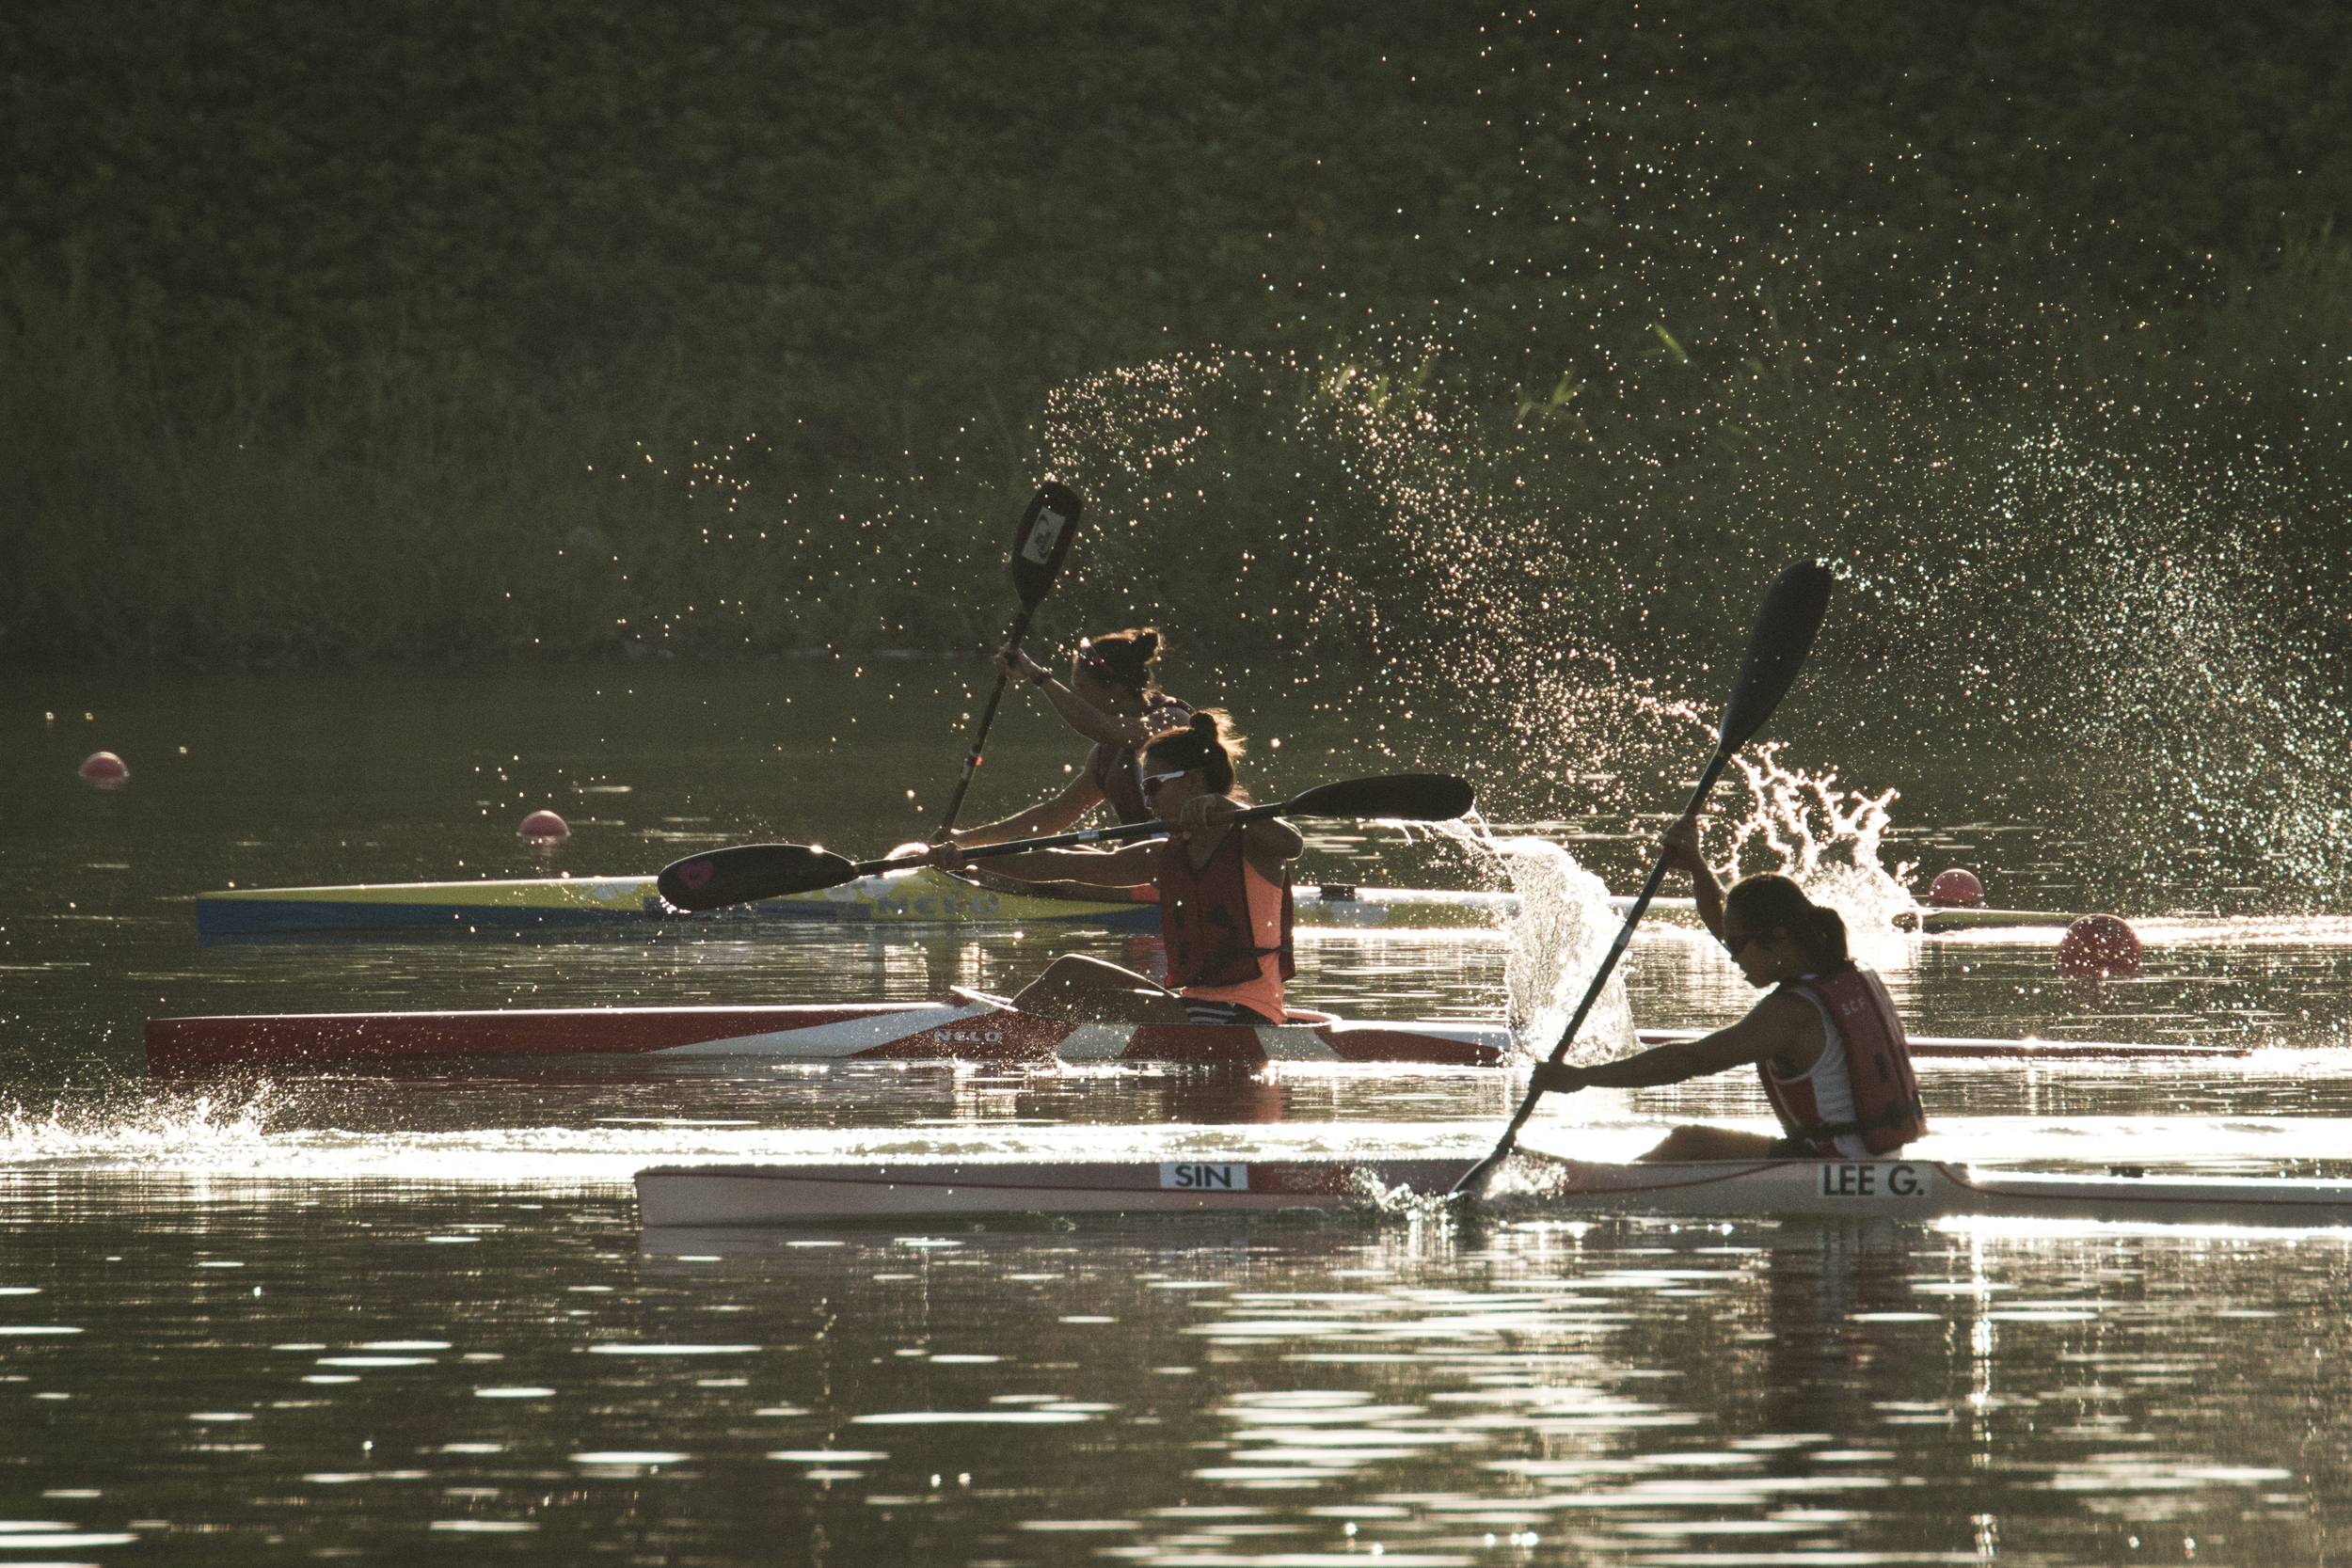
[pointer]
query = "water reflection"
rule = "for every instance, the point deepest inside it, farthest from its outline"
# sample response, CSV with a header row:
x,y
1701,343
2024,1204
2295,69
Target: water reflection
x,y
333,1368
375,1313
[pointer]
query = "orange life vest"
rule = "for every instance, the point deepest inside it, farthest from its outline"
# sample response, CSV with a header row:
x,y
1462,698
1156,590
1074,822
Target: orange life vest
x,y
1204,917
1886,1110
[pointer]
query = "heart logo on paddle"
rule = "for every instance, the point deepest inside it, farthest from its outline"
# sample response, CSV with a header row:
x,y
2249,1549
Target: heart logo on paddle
x,y
695,874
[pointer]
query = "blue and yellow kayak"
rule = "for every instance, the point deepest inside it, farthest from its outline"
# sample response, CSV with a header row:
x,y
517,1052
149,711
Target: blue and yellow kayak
x,y
924,897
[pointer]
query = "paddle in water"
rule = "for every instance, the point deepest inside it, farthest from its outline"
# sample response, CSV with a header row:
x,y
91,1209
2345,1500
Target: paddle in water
x,y
1785,626
751,871
1037,547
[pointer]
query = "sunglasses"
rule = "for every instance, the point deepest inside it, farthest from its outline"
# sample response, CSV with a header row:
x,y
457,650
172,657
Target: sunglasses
x,y
1153,780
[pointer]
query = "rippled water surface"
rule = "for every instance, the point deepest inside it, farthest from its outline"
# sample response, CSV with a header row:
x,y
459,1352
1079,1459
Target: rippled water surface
x,y
377,1314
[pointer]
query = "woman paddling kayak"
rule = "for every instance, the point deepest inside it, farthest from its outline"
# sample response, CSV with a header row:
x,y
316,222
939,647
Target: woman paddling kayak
x,y
1111,699
1826,1042
1225,897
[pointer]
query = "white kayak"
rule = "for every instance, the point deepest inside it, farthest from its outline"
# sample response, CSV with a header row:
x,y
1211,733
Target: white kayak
x,y
768,1194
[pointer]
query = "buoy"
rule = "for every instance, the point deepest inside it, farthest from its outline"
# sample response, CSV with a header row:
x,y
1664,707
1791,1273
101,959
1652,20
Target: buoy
x,y
2100,946
104,769
544,823
1956,890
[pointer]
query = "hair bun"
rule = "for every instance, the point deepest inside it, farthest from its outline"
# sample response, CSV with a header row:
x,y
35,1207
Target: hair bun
x,y
1147,644
1204,725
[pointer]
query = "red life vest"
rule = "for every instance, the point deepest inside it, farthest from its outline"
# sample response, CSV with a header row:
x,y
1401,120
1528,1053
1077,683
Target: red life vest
x,y
1204,917
1114,771
1887,1111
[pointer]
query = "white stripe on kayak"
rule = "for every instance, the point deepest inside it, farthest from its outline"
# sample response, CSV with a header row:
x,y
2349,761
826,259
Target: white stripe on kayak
x,y
821,1040
1294,1043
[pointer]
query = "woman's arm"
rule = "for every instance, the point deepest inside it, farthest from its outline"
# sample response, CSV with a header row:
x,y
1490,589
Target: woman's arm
x,y
1777,1026
1104,729
1270,844
1056,816
1681,846
1137,863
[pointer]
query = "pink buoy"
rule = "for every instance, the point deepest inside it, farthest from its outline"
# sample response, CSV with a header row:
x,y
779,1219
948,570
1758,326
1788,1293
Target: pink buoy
x,y
2099,946
545,825
104,769
1956,890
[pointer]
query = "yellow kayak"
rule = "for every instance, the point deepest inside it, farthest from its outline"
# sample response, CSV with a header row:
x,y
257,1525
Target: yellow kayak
x,y
924,897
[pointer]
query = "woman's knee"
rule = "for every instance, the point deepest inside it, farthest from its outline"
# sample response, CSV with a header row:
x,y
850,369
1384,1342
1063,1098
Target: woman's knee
x,y
1696,1142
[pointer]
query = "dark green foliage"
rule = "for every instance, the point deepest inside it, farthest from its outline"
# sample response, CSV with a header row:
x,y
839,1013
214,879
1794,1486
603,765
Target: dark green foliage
x,y
333,333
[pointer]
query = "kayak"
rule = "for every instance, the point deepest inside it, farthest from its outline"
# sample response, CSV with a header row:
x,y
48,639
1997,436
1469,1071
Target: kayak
x,y
1932,920
925,898
969,1025
1838,1189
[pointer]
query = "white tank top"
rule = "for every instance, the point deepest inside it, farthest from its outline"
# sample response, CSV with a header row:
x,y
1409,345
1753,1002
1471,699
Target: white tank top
x,y
1830,1082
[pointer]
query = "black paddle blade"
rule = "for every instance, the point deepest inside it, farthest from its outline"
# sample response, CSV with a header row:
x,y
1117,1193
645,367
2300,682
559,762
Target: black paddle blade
x,y
1409,797
744,872
1042,539
1786,625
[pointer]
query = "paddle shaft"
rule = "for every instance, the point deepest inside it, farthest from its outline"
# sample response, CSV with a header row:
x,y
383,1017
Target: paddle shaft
x,y
988,716
1592,993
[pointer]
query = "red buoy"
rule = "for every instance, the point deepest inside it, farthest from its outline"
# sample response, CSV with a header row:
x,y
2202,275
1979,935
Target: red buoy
x,y
2099,946
104,769
1955,890
545,825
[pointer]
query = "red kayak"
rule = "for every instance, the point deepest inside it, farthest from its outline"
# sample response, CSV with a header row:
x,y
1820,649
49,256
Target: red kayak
x,y
969,1027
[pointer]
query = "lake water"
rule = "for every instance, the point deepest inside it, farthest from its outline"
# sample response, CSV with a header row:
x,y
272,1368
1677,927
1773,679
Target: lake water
x,y
379,1315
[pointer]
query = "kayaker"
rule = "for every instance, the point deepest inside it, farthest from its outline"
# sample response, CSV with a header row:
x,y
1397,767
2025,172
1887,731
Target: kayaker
x,y
1112,699
1826,1042
1225,897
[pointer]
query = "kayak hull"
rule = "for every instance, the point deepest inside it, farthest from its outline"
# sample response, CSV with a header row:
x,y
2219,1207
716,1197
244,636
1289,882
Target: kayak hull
x,y
745,1195
968,1027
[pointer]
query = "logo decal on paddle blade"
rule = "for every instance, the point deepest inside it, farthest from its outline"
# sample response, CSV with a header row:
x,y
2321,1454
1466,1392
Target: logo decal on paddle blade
x,y
695,873
1044,537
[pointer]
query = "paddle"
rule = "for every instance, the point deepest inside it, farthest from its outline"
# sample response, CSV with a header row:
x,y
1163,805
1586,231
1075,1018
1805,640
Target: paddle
x,y
1786,625
1037,547
748,871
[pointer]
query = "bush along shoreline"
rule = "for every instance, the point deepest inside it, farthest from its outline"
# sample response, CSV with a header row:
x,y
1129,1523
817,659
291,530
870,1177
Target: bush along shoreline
x,y
1373,335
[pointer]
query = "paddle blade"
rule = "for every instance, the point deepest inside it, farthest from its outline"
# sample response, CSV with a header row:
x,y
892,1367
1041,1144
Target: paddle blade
x,y
744,872
1042,539
1410,796
1786,625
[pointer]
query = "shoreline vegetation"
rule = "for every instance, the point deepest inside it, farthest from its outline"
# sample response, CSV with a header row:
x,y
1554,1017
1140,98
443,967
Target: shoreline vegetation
x,y
427,334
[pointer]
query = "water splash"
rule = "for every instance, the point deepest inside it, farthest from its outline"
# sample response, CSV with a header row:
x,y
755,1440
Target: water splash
x,y
1556,941
1828,840
2112,624
216,1128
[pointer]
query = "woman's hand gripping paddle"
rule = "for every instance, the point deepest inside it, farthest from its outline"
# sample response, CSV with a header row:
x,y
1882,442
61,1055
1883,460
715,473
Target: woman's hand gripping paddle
x,y
1037,547
752,871
1785,626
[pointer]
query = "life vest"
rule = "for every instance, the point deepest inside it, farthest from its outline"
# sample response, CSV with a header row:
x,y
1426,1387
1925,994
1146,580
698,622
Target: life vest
x,y
1115,772
1204,918
1867,1040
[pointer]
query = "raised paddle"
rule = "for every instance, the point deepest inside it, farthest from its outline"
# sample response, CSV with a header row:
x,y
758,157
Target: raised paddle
x,y
1037,547
748,871
1786,625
